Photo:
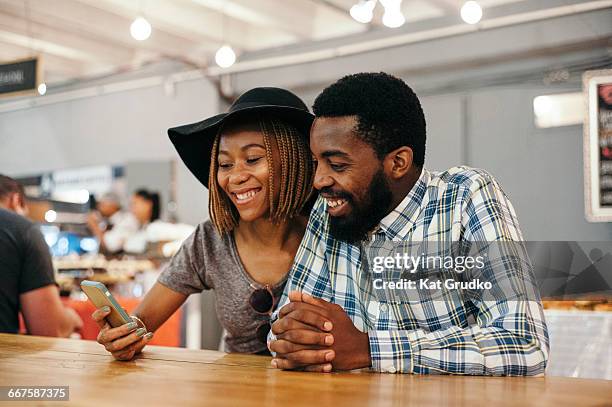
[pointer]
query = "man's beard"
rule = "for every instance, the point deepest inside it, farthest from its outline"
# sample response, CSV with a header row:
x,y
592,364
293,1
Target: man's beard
x,y
354,228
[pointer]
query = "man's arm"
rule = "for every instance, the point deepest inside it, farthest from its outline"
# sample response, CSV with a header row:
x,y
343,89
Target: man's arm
x,y
45,315
40,303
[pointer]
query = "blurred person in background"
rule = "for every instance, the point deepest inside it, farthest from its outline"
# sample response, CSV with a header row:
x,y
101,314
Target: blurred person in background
x,y
128,229
106,213
28,284
145,206
256,164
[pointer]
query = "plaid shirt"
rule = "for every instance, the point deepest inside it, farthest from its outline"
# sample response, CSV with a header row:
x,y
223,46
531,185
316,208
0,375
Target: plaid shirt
x,y
480,336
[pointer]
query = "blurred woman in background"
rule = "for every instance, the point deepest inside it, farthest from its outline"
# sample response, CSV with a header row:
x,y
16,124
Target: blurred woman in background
x,y
145,207
129,232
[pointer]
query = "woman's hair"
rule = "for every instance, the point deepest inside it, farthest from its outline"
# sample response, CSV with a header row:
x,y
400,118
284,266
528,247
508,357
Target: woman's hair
x,y
295,178
152,197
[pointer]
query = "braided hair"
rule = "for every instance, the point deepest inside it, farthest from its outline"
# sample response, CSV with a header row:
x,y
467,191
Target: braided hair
x,y
295,178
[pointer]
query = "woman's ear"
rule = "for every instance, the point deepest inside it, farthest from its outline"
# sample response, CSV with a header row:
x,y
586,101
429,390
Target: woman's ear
x,y
398,162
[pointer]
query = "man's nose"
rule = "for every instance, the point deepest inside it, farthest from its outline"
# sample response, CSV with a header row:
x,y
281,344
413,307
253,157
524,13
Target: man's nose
x,y
322,179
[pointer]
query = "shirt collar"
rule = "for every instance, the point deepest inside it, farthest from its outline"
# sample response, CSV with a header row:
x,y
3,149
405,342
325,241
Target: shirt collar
x,y
400,220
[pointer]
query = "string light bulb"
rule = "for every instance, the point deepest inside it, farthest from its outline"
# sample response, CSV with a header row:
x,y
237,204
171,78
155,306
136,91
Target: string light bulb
x,y
140,29
363,12
225,56
471,12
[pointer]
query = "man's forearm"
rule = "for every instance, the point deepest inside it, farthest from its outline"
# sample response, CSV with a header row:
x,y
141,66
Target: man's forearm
x,y
67,323
473,350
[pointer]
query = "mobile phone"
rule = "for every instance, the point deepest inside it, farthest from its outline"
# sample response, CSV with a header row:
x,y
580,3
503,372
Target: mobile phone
x,y
100,296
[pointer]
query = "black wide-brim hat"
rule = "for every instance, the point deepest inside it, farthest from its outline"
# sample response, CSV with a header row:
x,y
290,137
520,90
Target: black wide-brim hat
x,y
194,142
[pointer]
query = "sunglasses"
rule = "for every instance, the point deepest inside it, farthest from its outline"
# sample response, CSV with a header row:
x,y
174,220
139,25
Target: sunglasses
x,y
262,302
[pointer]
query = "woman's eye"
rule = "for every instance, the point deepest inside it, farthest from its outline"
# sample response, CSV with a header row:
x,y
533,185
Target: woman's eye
x,y
225,165
253,160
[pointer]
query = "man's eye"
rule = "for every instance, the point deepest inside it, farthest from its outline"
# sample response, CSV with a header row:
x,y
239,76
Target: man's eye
x,y
253,160
338,167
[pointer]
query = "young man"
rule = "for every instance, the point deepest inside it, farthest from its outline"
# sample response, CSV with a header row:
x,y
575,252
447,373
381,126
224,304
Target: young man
x,y
368,139
26,272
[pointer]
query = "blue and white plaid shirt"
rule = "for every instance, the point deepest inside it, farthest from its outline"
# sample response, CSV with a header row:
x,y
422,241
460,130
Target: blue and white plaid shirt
x,y
458,335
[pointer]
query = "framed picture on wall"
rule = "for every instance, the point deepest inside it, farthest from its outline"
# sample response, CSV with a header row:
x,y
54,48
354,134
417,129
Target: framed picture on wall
x,y
597,146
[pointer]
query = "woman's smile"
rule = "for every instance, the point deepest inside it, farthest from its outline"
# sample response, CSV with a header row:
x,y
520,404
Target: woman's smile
x,y
245,196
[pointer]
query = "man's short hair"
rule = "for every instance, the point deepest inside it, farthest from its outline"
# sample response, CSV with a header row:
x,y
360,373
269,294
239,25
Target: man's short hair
x,y
111,197
389,114
9,186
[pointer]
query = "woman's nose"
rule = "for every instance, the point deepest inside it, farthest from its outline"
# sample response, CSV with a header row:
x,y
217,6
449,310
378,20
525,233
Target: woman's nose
x,y
239,175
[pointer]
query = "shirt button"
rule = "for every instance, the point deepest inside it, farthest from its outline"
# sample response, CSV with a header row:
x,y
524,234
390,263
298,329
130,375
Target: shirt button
x,y
384,307
391,370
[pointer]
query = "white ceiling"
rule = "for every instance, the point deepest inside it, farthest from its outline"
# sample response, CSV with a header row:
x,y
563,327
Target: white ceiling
x,y
86,38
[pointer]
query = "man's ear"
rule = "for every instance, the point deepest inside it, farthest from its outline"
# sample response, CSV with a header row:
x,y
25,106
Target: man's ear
x,y
16,203
398,162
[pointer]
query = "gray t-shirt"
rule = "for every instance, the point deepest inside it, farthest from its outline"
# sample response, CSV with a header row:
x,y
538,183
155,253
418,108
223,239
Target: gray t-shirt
x,y
208,260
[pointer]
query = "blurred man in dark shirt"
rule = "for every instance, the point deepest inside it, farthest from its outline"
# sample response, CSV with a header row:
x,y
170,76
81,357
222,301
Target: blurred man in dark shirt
x,y
26,273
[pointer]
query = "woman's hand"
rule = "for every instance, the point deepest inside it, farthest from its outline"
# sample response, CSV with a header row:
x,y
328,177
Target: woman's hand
x,y
123,342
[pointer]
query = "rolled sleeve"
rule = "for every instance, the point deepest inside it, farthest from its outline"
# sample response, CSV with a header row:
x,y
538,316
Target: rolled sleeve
x,y
390,351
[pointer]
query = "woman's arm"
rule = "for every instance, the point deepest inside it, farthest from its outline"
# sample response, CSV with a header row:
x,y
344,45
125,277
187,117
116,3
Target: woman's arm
x,y
158,305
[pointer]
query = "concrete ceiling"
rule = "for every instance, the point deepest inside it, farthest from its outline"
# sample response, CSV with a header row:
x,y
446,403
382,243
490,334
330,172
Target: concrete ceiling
x,y
81,39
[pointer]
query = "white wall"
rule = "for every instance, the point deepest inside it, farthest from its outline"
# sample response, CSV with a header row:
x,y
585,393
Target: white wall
x,y
110,129
115,129
477,92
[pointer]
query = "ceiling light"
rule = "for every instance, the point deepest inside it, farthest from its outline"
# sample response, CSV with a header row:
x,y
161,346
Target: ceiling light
x,y
42,89
393,19
225,56
362,12
140,29
391,4
471,12
393,16
50,216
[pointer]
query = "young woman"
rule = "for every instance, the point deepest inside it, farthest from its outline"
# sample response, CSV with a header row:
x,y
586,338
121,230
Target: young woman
x,y
257,166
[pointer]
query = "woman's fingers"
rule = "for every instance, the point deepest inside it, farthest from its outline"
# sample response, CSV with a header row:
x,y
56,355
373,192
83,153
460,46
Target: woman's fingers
x,y
99,315
122,342
132,350
123,355
125,341
108,334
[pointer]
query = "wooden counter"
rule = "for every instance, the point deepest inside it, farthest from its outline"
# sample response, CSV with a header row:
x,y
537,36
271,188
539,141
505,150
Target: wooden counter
x,y
173,376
